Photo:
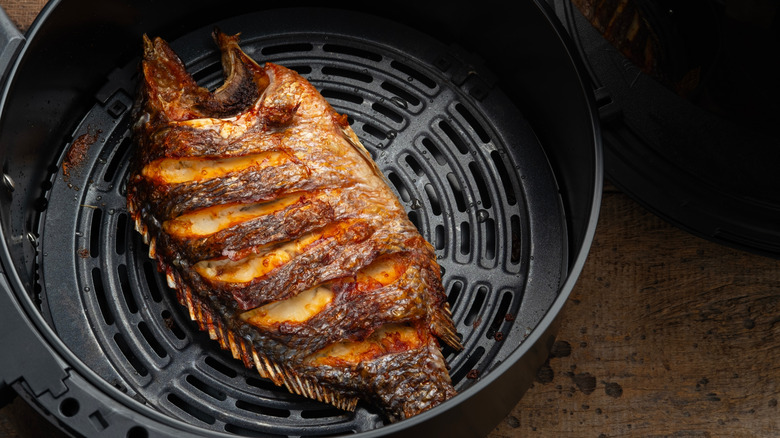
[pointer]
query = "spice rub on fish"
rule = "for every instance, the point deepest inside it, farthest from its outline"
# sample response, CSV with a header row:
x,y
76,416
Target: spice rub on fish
x,y
283,239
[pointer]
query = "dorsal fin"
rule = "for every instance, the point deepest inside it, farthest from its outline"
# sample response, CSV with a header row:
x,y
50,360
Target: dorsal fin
x,y
243,350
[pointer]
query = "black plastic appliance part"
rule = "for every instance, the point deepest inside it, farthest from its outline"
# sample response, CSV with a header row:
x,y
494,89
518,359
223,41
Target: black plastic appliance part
x,y
102,348
705,162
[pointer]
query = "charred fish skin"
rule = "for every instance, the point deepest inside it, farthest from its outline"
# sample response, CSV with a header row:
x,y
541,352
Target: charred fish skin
x,y
282,238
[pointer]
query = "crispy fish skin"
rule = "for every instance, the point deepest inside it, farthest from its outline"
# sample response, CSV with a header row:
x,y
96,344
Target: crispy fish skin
x,y
282,238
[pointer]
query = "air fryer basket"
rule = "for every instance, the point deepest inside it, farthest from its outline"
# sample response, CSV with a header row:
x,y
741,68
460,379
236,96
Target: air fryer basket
x,y
508,202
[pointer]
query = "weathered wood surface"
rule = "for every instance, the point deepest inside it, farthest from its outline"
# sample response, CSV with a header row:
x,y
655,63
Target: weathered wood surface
x,y
665,334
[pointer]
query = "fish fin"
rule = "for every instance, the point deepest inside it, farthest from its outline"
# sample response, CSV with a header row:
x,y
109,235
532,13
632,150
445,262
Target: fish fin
x,y
443,327
244,80
352,140
267,368
180,98
171,89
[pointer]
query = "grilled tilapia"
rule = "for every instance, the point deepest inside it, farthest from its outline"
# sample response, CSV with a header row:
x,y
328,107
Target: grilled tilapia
x,y
282,238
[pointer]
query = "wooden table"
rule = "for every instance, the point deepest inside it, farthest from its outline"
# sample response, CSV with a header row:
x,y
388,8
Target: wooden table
x,y
665,334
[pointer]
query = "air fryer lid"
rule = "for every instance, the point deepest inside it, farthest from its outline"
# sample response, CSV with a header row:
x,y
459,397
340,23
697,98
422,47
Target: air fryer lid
x,y
471,171
696,142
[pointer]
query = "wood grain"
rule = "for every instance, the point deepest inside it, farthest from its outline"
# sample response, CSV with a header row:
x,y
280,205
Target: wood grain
x,y
22,12
665,334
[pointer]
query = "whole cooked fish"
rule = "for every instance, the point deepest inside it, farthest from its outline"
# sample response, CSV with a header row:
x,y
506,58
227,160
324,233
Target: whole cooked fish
x,y
282,238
